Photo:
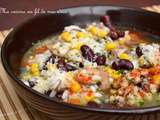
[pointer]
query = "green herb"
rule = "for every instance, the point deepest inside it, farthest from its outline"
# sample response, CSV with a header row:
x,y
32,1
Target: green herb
x,y
141,103
120,71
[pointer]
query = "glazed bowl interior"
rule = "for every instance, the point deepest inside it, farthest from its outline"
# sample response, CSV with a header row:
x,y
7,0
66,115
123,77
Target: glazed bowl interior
x,y
37,28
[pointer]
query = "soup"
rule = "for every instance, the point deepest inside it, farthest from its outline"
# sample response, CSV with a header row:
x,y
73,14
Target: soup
x,y
96,66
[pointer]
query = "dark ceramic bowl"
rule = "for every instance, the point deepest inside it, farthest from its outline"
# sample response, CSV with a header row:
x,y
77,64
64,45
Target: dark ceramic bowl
x,y
22,37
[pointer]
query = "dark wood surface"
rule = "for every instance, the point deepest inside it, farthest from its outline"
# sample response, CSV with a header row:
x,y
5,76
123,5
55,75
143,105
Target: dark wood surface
x,y
10,20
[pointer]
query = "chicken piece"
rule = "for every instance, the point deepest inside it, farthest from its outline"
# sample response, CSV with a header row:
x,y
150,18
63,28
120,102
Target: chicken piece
x,y
133,38
105,83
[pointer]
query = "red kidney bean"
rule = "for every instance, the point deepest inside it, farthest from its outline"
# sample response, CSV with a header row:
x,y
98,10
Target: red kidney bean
x,y
106,21
140,84
122,64
50,59
70,67
146,87
59,94
81,65
61,64
147,66
120,33
44,67
101,60
48,92
87,53
139,51
99,83
31,83
114,35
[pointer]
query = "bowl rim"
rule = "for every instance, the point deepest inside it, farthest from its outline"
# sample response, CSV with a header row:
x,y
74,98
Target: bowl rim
x,y
107,110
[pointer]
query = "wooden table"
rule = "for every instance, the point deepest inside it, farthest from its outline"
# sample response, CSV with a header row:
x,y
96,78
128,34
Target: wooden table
x,y
12,108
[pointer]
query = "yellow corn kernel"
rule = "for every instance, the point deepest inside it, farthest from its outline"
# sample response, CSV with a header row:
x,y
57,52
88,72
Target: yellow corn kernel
x,y
93,30
66,36
75,87
109,70
89,35
78,45
121,41
124,56
141,60
116,75
35,73
34,69
80,35
70,76
89,97
102,33
111,45
113,73
156,79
